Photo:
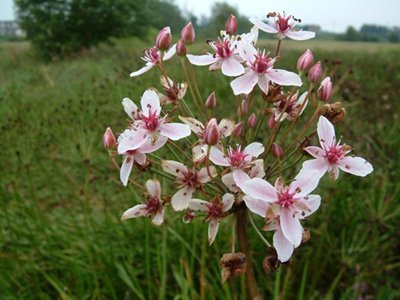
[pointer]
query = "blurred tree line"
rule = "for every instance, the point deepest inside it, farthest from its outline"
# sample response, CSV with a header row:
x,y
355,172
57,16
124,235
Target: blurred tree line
x,y
61,27
371,33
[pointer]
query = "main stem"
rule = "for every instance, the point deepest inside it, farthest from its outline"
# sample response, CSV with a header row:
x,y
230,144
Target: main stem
x,y
241,224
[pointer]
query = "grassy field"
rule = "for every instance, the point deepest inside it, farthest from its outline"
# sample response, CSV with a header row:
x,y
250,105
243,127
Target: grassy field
x,y
61,199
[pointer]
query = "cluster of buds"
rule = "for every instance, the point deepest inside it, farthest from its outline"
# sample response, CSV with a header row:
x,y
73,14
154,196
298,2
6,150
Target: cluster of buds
x,y
226,168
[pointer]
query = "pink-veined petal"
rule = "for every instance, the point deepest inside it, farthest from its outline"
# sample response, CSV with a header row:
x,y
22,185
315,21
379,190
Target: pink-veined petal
x,y
257,206
173,167
305,182
212,230
134,212
199,205
254,150
132,139
326,132
225,127
153,187
126,169
355,165
333,171
202,60
245,83
313,201
260,189
263,83
283,77
240,177
317,152
158,218
216,66
150,101
146,68
247,51
140,158
283,246
291,226
228,180
318,164
151,146
261,25
300,101
130,108
175,131
257,170
231,67
180,200
199,152
196,126
218,157
300,35
227,202
202,175
171,51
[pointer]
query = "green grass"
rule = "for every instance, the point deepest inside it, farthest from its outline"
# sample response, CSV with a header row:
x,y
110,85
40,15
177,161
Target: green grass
x,y
61,199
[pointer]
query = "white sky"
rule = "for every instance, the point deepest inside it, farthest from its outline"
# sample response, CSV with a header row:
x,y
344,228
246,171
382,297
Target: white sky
x,y
332,15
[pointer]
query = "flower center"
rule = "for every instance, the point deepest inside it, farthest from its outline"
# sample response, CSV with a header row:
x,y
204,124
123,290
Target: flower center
x,y
262,63
222,48
285,198
237,158
151,55
334,154
170,91
282,23
153,204
152,122
214,211
190,178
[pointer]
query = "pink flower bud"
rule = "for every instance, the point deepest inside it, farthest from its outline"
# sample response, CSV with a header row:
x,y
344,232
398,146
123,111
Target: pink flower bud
x,y
315,72
109,139
231,25
325,90
163,40
211,133
271,121
252,121
243,108
211,101
187,34
237,130
181,48
305,61
276,150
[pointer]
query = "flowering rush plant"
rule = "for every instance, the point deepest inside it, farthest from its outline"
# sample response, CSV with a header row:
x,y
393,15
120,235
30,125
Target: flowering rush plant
x,y
263,160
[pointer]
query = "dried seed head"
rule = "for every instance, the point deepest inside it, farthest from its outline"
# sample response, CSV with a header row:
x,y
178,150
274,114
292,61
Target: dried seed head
x,y
306,236
271,262
232,264
333,112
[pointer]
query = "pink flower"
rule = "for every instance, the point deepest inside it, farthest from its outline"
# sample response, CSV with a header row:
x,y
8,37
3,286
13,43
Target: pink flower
x,y
188,181
148,124
152,57
225,58
153,207
215,210
284,207
260,71
239,161
293,107
283,28
332,156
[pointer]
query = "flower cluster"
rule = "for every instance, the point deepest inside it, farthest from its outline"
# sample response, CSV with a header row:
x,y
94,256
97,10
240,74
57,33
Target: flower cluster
x,y
232,168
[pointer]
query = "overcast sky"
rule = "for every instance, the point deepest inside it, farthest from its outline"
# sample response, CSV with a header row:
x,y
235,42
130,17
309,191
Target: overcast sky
x,y
331,15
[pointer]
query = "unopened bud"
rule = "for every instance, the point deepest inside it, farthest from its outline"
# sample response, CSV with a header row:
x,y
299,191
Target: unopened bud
x,y
271,121
181,48
237,130
211,101
243,108
231,25
305,61
232,264
252,121
277,150
187,34
163,40
212,134
315,72
325,90
109,139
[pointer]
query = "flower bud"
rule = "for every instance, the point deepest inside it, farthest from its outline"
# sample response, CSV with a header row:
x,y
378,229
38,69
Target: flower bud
x,y
277,150
187,34
305,61
252,121
211,133
211,101
181,48
243,108
231,25
237,130
271,121
325,90
109,139
315,72
163,40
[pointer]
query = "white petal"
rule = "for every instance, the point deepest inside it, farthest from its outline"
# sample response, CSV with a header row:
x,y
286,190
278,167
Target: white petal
x,y
355,165
263,26
283,77
263,83
247,51
140,158
315,164
174,131
254,149
228,180
180,200
216,66
147,67
130,108
158,218
203,174
132,139
326,132
173,167
257,206
134,212
170,52
154,188
245,83
231,67
150,101
257,170
313,201
260,189
225,127
317,152
305,182
202,60
300,35
283,247
199,152
199,205
151,146
218,157
291,226
196,126
227,201
240,177
126,169
212,230
300,101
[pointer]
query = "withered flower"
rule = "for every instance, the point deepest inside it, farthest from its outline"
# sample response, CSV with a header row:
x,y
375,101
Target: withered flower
x,y
232,264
